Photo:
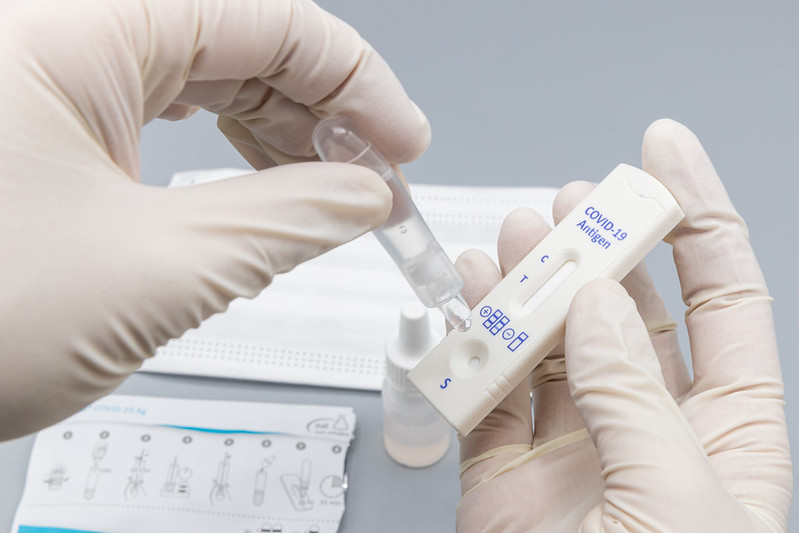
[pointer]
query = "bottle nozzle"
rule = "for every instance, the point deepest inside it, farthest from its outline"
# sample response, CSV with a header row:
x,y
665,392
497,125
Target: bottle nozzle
x,y
457,313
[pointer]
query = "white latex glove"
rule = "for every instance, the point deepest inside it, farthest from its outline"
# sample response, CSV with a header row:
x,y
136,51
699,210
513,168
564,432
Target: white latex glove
x,y
629,442
99,270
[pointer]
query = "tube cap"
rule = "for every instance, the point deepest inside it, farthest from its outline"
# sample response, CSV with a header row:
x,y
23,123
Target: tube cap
x,y
413,339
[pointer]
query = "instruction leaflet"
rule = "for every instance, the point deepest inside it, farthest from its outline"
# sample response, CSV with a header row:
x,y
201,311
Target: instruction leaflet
x,y
130,464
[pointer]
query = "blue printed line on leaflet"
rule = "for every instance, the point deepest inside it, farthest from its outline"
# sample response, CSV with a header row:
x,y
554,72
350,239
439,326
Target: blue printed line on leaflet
x,y
212,430
34,529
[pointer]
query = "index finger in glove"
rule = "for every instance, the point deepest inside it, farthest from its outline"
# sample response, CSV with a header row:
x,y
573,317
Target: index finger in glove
x,y
729,313
302,63
118,65
736,404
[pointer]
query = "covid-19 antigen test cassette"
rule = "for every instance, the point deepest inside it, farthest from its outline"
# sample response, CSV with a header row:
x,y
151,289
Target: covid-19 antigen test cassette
x,y
523,318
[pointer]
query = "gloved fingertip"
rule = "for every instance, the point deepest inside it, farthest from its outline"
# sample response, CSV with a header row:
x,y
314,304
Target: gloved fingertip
x,y
479,273
522,223
664,129
471,259
411,141
604,334
603,293
673,153
401,136
666,143
424,122
371,194
600,319
403,139
568,197
519,218
521,231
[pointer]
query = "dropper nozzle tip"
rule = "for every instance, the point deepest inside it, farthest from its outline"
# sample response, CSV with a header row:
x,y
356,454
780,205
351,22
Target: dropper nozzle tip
x,y
457,313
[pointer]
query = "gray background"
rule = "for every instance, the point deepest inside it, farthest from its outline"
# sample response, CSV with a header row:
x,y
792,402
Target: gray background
x,y
535,93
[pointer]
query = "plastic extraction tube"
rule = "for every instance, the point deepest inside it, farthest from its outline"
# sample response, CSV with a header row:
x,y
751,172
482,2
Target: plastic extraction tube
x,y
405,235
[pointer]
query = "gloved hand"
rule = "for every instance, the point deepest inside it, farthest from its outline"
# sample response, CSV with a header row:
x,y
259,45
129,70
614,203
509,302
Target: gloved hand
x,y
99,270
623,439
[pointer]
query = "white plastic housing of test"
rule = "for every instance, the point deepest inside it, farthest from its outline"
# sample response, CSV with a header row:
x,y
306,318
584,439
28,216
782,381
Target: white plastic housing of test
x,y
523,318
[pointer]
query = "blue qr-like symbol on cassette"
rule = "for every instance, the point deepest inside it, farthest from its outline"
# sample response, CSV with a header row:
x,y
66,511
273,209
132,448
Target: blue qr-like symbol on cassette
x,y
501,323
492,320
485,311
508,334
515,343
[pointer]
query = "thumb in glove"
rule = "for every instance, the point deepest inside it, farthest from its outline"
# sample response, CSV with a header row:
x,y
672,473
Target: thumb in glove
x,y
109,282
656,474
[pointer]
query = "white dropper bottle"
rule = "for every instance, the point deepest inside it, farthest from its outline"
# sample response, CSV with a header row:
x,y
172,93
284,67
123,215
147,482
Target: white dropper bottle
x,y
414,433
